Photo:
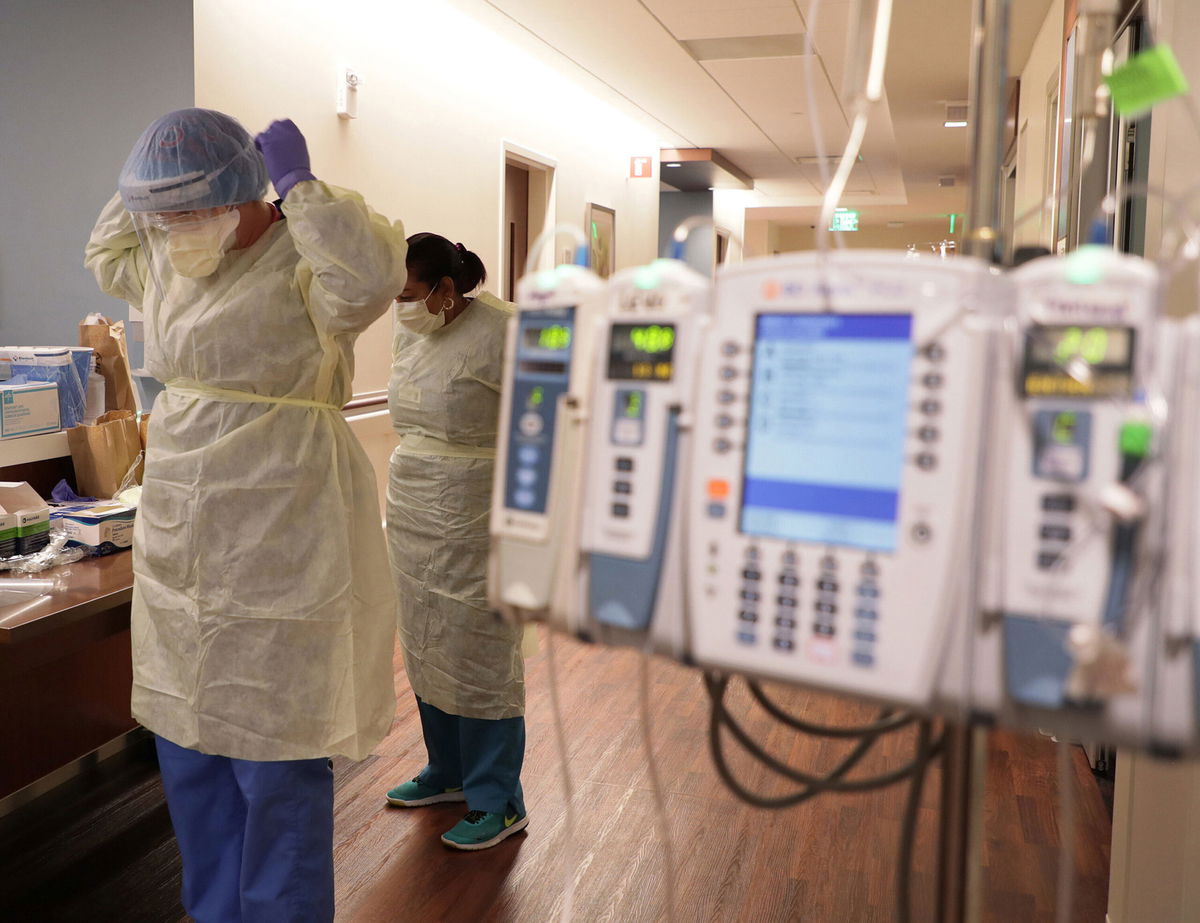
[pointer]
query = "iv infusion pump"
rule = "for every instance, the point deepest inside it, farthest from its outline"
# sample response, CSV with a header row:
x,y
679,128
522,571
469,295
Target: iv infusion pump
x,y
837,419
921,482
1081,489
637,455
535,516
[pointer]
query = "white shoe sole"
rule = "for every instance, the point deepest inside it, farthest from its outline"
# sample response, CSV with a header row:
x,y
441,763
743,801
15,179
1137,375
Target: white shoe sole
x,y
432,799
486,844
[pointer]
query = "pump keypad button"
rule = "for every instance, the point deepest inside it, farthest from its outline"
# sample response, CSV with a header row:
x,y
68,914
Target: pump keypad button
x,y
1056,533
624,464
1058,503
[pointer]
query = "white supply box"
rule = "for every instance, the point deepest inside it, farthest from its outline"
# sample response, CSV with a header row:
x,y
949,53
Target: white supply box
x,y
29,409
105,527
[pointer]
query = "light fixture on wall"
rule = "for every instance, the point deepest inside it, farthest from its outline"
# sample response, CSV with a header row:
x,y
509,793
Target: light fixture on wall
x,y
956,115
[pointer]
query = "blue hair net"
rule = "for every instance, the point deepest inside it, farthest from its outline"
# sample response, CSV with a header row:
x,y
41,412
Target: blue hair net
x,y
189,159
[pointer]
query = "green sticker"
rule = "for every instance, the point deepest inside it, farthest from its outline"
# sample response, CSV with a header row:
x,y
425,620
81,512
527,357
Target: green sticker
x,y
1145,81
1135,439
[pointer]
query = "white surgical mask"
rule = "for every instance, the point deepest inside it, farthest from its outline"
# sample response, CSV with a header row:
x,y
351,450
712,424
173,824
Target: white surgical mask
x,y
197,251
415,315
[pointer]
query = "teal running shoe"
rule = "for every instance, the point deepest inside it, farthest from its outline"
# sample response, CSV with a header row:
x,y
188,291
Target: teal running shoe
x,y
481,829
415,794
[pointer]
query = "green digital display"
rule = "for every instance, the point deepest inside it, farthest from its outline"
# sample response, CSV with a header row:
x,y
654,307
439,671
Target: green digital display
x,y
1076,360
641,352
555,337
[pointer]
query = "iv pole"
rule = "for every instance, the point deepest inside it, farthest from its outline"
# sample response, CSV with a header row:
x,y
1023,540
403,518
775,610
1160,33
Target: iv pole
x,y
964,760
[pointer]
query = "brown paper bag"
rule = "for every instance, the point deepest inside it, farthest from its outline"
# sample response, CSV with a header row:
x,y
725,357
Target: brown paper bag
x,y
104,452
112,362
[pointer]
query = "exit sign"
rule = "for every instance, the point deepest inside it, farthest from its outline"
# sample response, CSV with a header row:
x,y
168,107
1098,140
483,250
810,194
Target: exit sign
x,y
641,167
844,220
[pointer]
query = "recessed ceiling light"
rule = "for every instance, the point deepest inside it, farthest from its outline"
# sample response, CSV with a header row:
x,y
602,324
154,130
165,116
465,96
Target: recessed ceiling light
x,y
956,115
672,165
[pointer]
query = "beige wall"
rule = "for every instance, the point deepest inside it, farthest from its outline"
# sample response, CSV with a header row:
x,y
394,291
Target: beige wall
x,y
1035,132
441,95
790,238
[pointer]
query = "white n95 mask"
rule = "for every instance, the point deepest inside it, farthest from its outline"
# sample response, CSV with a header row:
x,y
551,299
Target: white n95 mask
x,y
416,317
197,251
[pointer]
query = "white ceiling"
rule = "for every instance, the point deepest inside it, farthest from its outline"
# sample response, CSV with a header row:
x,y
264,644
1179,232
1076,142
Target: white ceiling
x,y
755,110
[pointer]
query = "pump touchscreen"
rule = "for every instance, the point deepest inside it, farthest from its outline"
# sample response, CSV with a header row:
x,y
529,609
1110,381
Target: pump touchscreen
x,y
827,428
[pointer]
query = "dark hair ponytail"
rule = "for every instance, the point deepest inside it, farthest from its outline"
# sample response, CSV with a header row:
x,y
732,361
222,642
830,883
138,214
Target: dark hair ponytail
x,y
432,257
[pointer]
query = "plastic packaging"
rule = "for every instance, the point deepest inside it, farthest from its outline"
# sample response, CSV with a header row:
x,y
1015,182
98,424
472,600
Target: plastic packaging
x,y
52,555
54,365
17,590
94,407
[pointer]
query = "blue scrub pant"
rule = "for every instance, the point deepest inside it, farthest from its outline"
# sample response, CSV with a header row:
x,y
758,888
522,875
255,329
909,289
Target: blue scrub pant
x,y
256,837
481,755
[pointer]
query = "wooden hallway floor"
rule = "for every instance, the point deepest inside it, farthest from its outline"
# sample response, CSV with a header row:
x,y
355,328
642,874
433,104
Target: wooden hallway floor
x,y
107,853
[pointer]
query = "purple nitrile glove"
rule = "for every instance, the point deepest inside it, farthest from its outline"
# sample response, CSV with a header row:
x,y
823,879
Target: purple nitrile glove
x,y
285,154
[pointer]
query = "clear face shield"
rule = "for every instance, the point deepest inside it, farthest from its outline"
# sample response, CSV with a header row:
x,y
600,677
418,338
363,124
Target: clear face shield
x,y
181,184
185,245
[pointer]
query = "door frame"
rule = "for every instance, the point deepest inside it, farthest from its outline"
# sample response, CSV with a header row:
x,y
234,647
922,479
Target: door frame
x,y
543,191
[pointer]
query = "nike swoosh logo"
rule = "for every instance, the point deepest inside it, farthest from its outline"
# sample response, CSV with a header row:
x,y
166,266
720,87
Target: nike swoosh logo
x,y
509,821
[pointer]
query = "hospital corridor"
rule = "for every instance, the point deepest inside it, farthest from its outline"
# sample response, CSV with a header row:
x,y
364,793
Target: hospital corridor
x,y
682,461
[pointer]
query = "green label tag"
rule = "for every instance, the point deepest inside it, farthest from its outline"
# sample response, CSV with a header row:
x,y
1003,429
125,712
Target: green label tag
x,y
1135,439
1145,81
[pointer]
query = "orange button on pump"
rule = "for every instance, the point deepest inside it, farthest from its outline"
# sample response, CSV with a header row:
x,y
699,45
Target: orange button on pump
x,y
718,489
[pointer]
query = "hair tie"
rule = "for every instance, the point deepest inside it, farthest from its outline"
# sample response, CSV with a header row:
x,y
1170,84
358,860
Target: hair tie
x,y
460,248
